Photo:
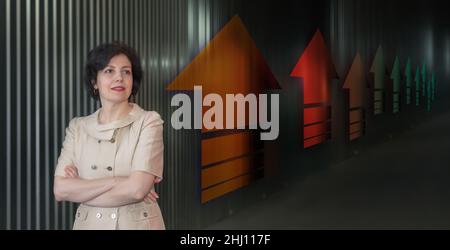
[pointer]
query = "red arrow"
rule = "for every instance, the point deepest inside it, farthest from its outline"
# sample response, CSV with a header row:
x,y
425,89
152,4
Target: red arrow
x,y
317,70
355,82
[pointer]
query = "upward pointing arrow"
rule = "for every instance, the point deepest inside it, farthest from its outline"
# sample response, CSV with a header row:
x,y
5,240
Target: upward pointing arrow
x,y
408,80
396,78
433,87
431,90
317,70
230,63
428,96
378,70
355,82
424,79
418,81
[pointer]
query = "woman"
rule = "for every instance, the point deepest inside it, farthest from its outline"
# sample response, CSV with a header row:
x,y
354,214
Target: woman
x,y
111,159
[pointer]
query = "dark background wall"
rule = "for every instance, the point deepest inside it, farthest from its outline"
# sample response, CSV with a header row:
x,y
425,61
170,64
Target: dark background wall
x,y
44,44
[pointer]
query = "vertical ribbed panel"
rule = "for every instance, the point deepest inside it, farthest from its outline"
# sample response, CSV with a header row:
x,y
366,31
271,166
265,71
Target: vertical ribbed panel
x,y
45,48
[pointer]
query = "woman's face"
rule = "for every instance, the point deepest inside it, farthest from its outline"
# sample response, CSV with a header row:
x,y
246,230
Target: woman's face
x,y
115,81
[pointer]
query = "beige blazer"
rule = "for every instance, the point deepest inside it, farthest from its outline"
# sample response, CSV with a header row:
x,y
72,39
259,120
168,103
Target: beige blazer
x,y
134,143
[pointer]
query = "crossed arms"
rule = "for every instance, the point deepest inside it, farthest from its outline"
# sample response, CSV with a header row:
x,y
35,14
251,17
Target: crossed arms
x,y
105,192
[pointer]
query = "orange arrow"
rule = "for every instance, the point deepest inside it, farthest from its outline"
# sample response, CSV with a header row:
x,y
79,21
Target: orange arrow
x,y
317,70
230,63
355,82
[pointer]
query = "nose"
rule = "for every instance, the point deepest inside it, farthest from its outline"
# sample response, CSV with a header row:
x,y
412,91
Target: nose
x,y
119,77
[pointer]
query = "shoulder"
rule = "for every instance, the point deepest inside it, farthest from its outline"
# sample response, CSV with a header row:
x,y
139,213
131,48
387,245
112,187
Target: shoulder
x,y
151,118
74,123
78,123
149,125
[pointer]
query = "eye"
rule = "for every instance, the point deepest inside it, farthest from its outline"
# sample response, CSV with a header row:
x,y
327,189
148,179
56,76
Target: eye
x,y
109,71
127,72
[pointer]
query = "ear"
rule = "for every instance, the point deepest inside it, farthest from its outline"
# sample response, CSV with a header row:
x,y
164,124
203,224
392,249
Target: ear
x,y
94,84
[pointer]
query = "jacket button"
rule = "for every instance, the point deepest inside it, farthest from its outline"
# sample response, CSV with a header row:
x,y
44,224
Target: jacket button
x,y
78,214
145,214
93,167
112,140
99,141
98,215
113,216
109,168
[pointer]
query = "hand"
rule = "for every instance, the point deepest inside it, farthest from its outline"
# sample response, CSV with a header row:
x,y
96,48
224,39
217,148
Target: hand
x,y
152,195
71,171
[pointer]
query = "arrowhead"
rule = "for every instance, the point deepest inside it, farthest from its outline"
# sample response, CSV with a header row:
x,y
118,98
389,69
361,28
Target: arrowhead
x,y
395,75
355,76
315,59
378,62
355,81
424,72
230,63
316,69
408,69
417,79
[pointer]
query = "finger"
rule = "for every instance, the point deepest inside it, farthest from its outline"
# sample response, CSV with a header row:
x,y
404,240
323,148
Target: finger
x,y
157,180
68,166
151,197
75,171
154,194
67,173
69,169
72,173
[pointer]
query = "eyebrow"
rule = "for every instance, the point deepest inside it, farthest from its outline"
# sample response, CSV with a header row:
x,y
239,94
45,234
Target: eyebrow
x,y
109,65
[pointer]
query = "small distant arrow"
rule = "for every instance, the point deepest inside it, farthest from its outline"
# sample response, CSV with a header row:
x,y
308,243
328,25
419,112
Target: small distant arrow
x,y
433,87
424,78
396,78
355,83
418,81
428,96
408,81
379,71
317,70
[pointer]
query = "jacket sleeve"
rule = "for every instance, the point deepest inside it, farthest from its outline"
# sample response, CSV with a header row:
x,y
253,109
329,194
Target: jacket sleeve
x,y
149,152
67,155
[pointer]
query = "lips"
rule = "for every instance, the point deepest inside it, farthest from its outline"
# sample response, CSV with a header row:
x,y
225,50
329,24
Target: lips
x,y
118,89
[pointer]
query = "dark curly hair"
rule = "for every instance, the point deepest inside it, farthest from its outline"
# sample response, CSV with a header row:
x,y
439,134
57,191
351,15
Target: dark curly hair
x,y
99,57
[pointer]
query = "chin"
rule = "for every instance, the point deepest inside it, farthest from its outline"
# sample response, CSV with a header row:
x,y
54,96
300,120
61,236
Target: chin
x,y
116,99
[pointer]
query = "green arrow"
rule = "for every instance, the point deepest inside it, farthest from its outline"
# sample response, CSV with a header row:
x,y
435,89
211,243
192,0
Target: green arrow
x,y
424,78
396,79
428,95
408,81
379,70
433,87
418,81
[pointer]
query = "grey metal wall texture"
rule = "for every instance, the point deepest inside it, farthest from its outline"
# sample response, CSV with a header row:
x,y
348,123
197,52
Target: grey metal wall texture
x,y
43,45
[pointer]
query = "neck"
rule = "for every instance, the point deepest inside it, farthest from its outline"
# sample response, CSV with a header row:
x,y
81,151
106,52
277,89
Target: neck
x,y
114,111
